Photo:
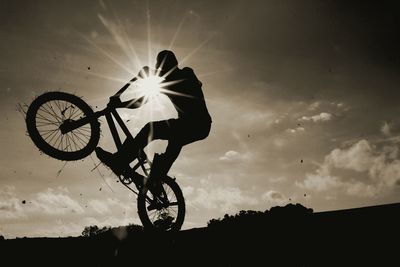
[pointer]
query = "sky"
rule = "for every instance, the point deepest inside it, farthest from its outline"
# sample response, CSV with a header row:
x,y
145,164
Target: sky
x,y
303,97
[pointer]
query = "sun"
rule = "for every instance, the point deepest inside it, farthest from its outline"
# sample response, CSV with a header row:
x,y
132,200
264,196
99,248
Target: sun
x,y
150,86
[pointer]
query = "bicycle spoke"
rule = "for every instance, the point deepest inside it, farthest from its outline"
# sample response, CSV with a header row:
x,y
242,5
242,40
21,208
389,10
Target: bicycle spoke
x,y
48,134
86,129
70,142
77,147
165,216
83,143
78,139
48,111
74,113
83,135
61,141
57,103
73,141
42,117
67,142
167,191
53,137
72,108
174,211
77,114
43,124
46,131
59,119
154,214
50,115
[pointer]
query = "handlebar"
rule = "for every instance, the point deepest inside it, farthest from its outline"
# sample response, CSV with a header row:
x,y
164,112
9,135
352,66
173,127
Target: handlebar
x,y
123,89
142,73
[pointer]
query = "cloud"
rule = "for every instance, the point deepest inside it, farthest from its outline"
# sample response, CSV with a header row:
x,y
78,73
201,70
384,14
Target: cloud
x,y
279,142
187,190
57,229
385,129
361,189
223,199
339,105
274,197
99,206
50,202
296,130
231,155
55,202
10,205
108,206
320,181
314,105
379,169
324,116
358,157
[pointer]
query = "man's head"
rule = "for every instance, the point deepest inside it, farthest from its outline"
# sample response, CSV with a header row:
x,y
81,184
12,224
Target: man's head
x,y
166,60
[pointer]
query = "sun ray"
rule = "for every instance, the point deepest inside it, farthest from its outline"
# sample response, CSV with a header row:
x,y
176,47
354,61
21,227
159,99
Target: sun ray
x,y
144,86
111,78
119,35
107,54
166,91
178,29
215,72
197,48
169,72
135,60
148,18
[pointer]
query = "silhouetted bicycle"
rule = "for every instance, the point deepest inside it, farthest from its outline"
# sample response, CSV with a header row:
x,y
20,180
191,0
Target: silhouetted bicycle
x,y
65,127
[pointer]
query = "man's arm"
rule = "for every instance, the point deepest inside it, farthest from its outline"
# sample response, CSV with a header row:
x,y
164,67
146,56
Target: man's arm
x,y
134,103
123,89
115,100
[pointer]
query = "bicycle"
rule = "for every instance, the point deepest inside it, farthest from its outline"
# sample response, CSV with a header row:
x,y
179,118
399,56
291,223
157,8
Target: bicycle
x,y
65,127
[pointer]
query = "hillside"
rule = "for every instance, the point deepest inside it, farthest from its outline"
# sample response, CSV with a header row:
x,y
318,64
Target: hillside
x,y
283,236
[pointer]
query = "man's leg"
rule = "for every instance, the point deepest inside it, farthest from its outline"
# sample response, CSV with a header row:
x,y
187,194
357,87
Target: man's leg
x,y
130,148
163,163
151,131
180,133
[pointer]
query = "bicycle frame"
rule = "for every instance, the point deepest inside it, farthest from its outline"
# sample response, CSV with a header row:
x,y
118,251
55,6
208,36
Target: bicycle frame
x,y
81,120
109,113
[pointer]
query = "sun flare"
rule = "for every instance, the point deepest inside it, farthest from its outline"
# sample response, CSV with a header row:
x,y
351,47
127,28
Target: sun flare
x,y
150,86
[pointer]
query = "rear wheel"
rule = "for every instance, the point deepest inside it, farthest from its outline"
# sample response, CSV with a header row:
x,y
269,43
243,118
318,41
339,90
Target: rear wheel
x,y
165,212
44,117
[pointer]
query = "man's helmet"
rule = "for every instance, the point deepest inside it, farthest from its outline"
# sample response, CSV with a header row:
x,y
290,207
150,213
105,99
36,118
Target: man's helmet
x,y
166,60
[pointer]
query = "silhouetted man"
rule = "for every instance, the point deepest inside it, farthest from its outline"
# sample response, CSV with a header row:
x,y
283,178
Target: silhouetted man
x,y
193,122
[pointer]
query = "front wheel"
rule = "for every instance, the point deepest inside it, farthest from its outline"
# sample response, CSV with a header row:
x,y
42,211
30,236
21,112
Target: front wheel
x,y
44,117
165,212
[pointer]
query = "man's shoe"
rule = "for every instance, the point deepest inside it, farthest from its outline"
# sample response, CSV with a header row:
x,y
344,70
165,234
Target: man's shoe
x,y
109,160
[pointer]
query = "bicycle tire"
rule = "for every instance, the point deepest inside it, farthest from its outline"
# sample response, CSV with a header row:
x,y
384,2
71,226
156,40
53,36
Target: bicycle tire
x,y
144,215
34,120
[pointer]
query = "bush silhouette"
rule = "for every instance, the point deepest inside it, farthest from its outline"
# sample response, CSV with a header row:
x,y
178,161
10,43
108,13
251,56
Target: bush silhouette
x,y
247,217
94,230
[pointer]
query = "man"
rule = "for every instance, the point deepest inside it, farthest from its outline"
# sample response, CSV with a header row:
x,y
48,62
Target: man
x,y
193,122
